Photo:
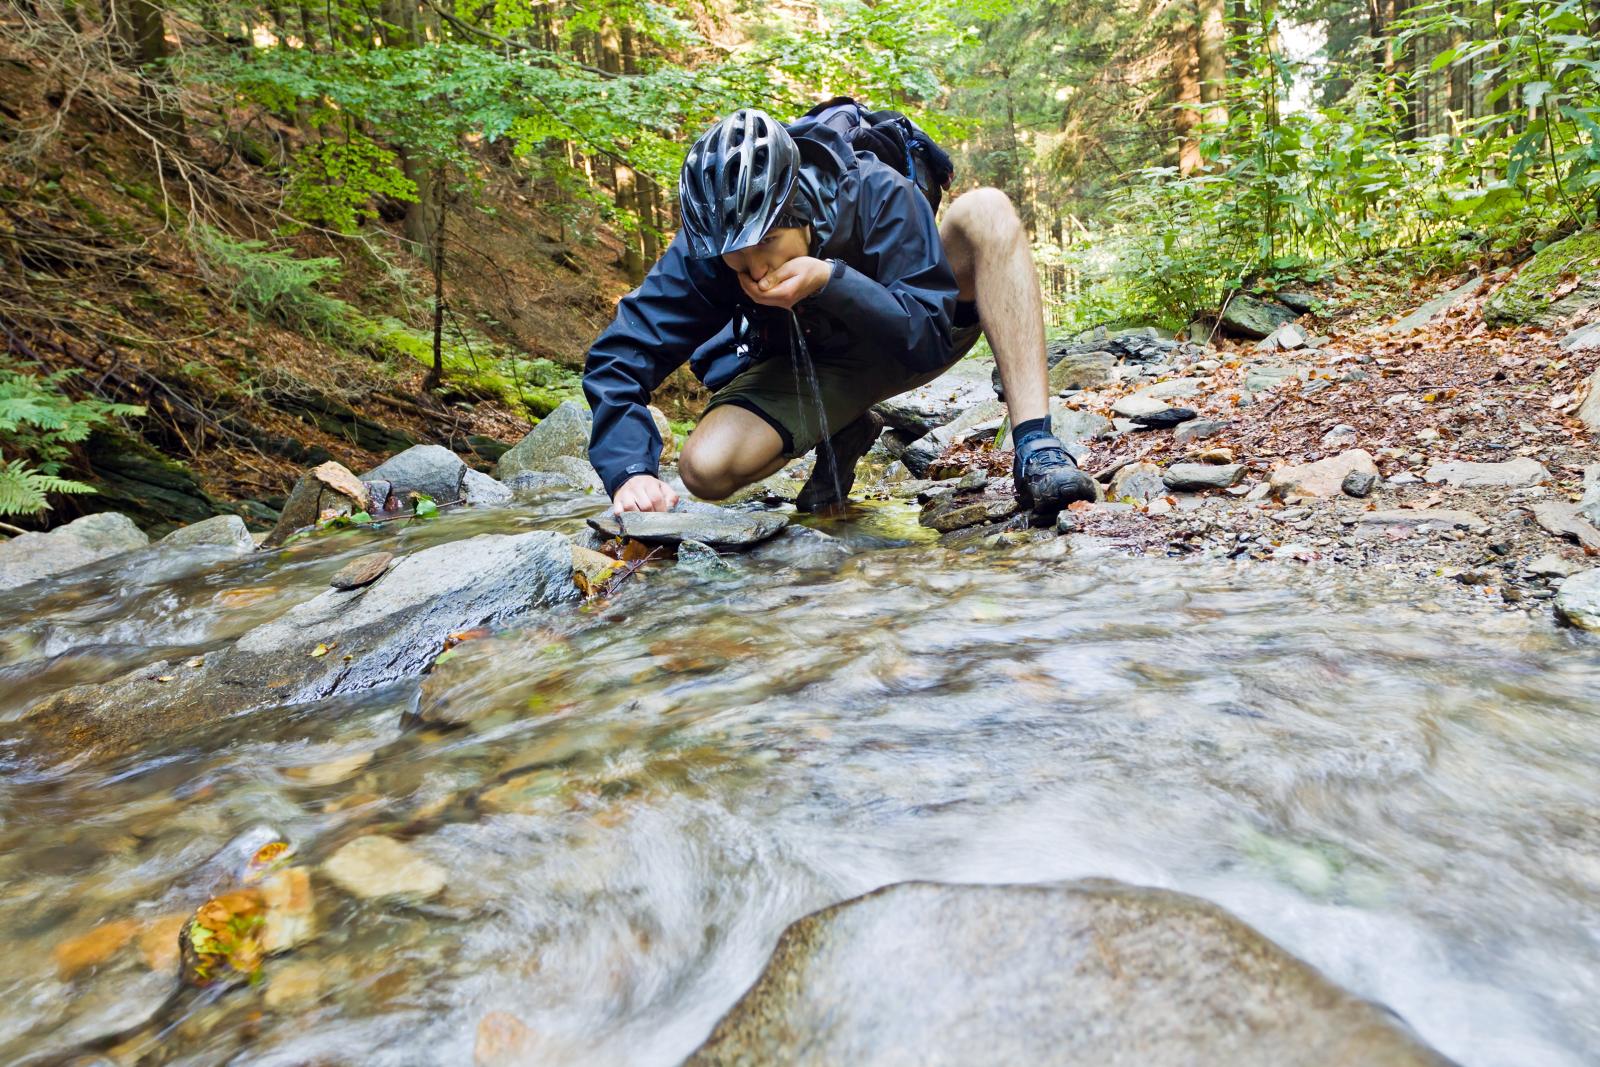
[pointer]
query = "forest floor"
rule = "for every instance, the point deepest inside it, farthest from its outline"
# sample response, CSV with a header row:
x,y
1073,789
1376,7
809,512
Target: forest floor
x,y
247,375
1416,403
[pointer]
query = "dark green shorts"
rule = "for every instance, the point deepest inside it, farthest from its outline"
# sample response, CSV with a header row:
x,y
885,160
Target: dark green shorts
x,y
776,391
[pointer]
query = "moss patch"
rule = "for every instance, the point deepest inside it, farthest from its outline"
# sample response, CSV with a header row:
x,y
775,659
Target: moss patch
x,y
1527,298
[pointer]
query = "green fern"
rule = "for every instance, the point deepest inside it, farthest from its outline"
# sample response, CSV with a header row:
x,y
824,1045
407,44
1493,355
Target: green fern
x,y
38,421
24,491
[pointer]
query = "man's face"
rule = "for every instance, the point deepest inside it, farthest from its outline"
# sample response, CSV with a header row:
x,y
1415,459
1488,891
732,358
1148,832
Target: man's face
x,y
779,246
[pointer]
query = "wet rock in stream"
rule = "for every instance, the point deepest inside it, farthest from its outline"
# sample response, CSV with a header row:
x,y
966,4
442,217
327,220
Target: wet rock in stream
x,y
380,633
31,556
719,528
1092,972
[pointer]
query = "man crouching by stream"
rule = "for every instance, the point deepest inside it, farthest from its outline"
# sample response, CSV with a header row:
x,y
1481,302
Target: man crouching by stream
x,y
796,252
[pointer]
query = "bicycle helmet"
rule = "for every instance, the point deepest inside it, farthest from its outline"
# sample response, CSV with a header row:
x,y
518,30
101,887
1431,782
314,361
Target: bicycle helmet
x,y
737,183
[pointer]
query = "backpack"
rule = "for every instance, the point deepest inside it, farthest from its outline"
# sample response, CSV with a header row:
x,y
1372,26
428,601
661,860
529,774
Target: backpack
x,y
894,139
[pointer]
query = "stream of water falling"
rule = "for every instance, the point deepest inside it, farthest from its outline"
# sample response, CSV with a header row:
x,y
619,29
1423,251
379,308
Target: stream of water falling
x,y
1401,792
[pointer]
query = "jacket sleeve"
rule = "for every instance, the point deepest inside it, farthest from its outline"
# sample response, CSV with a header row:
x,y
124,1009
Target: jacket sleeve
x,y
680,305
904,301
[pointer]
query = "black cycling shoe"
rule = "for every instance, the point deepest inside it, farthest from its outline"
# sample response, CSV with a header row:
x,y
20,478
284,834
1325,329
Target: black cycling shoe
x,y
1047,479
825,488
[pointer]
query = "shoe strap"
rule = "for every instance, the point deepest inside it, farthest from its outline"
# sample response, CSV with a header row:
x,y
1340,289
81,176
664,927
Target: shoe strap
x,y
1044,447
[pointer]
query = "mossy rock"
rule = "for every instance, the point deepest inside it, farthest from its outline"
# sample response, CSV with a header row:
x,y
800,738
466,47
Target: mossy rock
x,y
157,491
1526,299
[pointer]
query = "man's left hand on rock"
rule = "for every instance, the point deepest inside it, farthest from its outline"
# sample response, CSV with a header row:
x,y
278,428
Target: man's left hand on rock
x,y
786,286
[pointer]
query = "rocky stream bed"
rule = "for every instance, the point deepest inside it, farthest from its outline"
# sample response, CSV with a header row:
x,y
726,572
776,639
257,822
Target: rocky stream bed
x,y
1282,753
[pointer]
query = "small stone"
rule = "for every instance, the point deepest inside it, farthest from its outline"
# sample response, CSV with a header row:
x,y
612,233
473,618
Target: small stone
x,y
1254,317
958,514
1195,477
594,567
320,774
293,984
93,947
1563,520
482,491
1551,565
31,556
1163,420
1139,482
291,909
1216,456
1322,478
1359,483
1170,389
564,433
376,867
219,531
804,549
1462,475
503,1040
1198,430
1130,407
1579,600
1265,376
431,470
364,570
702,561
1439,519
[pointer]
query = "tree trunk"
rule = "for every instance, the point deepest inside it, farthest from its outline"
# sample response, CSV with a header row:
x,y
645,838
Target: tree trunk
x,y
1211,48
143,33
435,376
423,217
1185,73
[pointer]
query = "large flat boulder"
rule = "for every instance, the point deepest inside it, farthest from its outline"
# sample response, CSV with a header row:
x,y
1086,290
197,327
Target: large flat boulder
x,y
1091,972
563,432
341,641
31,556
720,528
1435,308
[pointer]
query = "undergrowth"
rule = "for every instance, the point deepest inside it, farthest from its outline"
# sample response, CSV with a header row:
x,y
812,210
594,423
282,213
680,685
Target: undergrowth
x,y
274,285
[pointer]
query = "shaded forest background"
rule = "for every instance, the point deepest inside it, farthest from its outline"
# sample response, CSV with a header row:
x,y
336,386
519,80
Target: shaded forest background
x,y
239,235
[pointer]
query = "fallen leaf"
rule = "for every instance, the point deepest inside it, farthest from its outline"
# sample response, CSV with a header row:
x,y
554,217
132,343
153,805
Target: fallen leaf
x,y
320,651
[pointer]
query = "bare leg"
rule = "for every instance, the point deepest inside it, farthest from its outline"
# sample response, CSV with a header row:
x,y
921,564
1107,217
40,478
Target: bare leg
x,y
989,252
730,449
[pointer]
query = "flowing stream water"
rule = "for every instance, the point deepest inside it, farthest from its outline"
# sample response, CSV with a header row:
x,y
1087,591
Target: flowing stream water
x,y
1402,795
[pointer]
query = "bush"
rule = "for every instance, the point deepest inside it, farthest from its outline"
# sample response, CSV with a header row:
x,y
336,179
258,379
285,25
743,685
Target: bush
x,y
38,424
334,182
274,284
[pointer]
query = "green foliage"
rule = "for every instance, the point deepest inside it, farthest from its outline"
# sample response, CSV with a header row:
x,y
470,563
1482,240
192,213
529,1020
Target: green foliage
x,y
39,422
334,182
274,283
475,366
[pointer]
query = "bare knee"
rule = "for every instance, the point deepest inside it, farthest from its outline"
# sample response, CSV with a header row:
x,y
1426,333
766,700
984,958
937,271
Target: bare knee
x,y
703,472
985,217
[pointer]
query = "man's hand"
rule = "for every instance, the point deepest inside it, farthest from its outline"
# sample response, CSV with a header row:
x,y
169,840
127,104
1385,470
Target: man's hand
x,y
643,493
789,284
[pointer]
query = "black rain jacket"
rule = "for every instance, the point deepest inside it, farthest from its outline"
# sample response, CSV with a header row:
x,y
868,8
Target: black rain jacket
x,y
892,295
